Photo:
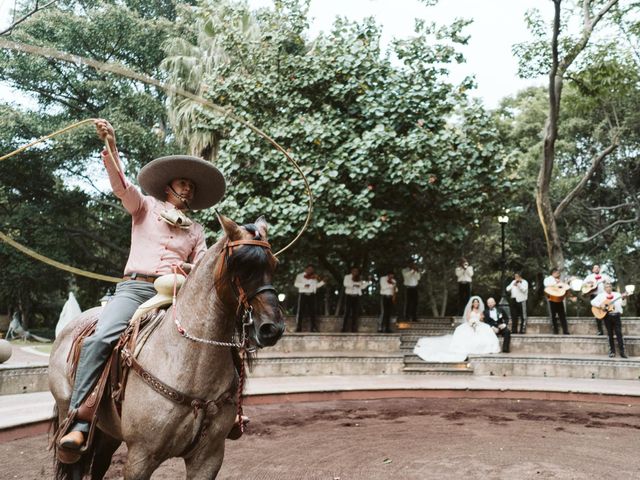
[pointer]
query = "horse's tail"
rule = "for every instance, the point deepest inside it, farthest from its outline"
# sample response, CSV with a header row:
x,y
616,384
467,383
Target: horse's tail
x,y
69,471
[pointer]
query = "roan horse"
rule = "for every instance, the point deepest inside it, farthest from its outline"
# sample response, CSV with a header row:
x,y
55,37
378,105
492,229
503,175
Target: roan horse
x,y
153,427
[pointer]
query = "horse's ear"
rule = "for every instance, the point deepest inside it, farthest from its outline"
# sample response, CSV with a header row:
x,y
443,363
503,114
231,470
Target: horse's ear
x,y
230,227
263,226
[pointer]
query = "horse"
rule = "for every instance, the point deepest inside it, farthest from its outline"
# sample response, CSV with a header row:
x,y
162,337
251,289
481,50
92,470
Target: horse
x,y
230,283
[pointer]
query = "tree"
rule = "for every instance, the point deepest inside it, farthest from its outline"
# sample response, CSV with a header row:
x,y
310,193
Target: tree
x,y
400,162
42,203
562,56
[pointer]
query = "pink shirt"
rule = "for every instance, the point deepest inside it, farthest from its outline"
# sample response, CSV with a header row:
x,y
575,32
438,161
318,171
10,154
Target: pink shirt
x,y
155,245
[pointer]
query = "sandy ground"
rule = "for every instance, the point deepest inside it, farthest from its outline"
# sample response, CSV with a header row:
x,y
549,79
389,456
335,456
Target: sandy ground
x,y
407,439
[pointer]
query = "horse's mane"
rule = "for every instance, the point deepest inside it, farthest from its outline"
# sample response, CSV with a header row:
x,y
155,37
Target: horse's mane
x,y
248,263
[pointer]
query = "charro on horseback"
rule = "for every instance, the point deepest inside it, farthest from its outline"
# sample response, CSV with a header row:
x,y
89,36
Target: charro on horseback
x,y
230,296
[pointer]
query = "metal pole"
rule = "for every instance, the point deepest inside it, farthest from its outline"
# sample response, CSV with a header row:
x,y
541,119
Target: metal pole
x,y
504,303
504,263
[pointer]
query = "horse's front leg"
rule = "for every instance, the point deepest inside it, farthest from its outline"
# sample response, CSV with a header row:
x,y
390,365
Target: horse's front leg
x,y
141,463
206,462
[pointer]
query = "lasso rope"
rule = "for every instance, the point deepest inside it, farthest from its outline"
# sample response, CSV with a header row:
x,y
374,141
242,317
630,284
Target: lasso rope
x,y
125,72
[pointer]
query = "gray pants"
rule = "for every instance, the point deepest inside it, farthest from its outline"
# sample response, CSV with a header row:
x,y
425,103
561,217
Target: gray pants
x,y
96,349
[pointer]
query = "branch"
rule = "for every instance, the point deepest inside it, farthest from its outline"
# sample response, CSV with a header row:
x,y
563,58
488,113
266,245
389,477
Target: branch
x,y
595,163
589,25
613,207
35,10
116,205
605,229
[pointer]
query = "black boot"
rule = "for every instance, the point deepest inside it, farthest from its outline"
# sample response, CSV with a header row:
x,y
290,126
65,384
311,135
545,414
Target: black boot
x,y
622,354
612,353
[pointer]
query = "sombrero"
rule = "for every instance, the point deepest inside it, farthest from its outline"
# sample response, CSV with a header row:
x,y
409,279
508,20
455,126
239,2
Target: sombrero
x,y
209,182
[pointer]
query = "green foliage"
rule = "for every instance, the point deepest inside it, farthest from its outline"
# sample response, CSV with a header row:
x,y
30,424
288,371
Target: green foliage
x,y
42,204
400,163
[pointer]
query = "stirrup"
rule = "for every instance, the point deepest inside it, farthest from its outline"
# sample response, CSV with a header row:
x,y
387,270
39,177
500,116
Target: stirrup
x,y
237,430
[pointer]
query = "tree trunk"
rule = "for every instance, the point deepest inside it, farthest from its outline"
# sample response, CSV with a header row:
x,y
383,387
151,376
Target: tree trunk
x,y
550,227
432,300
327,293
559,66
445,296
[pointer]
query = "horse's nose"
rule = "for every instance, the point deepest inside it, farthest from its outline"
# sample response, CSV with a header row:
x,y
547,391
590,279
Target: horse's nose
x,y
269,333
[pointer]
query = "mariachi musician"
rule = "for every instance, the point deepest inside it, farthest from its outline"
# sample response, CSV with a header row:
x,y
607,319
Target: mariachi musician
x,y
610,303
411,277
353,286
556,290
388,292
307,284
593,285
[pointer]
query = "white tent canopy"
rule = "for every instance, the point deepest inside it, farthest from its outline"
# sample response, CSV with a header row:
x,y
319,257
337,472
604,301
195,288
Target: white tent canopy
x,y
70,310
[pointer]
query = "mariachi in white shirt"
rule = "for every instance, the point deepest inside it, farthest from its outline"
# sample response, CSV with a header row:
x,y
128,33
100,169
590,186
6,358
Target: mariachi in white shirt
x,y
353,287
387,289
613,297
464,274
599,279
307,285
519,291
410,277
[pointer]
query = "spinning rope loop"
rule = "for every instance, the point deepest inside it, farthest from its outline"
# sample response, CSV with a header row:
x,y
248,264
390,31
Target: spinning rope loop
x,y
122,71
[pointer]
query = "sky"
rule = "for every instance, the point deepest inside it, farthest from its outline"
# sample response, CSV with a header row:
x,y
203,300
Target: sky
x,y
497,25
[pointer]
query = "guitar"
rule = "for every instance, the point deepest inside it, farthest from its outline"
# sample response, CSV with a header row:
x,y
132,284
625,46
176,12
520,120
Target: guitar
x,y
607,307
556,293
589,288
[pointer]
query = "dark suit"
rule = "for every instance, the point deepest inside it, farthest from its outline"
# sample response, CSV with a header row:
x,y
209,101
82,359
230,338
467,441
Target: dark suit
x,y
503,318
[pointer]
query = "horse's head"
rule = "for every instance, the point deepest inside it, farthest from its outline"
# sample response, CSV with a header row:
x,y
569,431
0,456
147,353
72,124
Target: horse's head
x,y
244,280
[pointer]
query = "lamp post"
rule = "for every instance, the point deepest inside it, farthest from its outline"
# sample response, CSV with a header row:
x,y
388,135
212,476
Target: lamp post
x,y
504,303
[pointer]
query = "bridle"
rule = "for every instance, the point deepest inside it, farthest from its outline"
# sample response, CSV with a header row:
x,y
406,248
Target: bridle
x,y
244,310
242,297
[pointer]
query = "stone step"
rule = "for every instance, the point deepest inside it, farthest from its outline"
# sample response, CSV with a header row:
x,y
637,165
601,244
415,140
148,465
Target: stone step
x,y
327,363
553,344
581,326
570,344
535,325
414,364
317,342
425,370
367,324
23,379
571,366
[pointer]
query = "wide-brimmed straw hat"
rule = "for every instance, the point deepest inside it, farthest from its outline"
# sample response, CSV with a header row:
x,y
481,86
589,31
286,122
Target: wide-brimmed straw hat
x,y
209,182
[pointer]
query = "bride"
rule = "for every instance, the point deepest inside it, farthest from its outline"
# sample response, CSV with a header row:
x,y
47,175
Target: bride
x,y
472,336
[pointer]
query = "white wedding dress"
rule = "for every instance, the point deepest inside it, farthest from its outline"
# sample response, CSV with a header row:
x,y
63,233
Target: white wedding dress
x,y
472,336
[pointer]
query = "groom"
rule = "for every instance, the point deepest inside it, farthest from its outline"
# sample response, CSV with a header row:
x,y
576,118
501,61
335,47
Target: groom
x,y
498,320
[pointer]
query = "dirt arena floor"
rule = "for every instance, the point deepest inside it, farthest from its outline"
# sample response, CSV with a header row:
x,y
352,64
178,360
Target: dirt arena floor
x,y
407,439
